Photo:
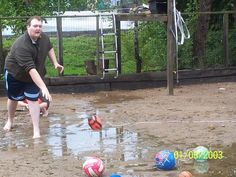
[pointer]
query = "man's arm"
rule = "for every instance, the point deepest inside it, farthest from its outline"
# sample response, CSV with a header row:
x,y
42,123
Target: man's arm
x,y
39,82
54,61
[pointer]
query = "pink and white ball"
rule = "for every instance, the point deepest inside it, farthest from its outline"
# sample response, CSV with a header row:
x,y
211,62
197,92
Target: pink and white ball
x,y
93,167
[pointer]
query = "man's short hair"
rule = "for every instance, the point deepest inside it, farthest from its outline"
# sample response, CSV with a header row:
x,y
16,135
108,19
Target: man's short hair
x,y
28,23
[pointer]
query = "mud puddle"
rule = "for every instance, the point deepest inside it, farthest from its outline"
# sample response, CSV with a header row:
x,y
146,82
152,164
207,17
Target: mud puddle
x,y
126,146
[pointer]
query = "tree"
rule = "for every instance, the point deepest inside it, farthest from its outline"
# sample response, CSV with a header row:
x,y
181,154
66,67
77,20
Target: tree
x,y
234,8
26,8
201,32
203,24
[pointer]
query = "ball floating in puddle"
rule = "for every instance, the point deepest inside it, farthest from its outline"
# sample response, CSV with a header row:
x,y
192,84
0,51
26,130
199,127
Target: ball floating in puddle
x,y
95,123
201,153
93,167
185,174
115,175
201,167
165,160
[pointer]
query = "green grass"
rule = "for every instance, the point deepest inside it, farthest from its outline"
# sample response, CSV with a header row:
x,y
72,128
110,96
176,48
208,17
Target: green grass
x,y
76,50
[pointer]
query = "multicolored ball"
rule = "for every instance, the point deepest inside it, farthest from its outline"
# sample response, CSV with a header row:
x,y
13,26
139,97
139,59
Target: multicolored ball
x,y
115,175
95,123
185,174
93,167
165,160
201,153
201,167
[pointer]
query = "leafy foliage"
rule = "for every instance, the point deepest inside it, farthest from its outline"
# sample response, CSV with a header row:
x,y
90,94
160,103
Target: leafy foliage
x,y
232,46
152,36
127,51
219,5
214,49
26,8
153,45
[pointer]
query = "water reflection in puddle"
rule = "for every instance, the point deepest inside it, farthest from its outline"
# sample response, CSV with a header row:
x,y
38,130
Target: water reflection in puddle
x,y
77,137
71,136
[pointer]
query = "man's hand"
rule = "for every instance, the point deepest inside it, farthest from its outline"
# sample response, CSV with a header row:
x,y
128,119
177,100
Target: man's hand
x,y
59,67
46,94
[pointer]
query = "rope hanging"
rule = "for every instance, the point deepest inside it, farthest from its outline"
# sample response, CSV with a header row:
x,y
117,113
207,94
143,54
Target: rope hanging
x,y
180,27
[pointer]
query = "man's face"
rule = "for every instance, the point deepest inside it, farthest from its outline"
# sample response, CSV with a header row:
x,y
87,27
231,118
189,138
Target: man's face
x,y
34,29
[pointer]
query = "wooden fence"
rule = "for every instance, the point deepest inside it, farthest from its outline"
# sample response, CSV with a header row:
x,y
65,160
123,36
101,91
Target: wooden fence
x,y
171,44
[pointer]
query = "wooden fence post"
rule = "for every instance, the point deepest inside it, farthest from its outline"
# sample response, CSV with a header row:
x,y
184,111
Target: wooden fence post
x,y
171,48
1,50
226,39
98,43
136,49
60,40
118,31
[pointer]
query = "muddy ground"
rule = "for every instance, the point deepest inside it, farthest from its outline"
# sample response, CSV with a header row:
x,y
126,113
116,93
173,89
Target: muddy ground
x,y
136,125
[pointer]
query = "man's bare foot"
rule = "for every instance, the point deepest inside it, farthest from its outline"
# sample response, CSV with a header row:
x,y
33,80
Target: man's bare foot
x,y
8,126
36,134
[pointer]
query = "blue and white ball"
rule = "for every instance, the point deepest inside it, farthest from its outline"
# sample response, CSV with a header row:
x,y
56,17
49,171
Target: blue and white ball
x,y
165,160
115,175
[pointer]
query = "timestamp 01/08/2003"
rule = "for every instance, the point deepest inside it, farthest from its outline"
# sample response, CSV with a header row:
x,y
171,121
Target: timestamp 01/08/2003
x,y
196,155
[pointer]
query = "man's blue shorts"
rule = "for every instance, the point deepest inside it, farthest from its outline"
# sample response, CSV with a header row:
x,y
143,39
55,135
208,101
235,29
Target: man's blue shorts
x,y
18,90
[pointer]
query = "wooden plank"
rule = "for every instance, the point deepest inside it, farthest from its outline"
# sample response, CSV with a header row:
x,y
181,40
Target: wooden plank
x,y
94,79
142,77
142,17
207,73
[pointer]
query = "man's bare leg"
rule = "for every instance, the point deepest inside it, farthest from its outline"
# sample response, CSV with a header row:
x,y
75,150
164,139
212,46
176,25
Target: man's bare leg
x,y
23,105
34,110
11,109
43,108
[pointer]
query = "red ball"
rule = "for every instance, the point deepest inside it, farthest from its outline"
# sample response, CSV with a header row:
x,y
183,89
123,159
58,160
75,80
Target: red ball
x,y
95,122
93,167
185,174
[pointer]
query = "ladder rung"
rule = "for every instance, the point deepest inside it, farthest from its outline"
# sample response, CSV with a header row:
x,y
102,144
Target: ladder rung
x,y
107,52
112,51
109,44
109,34
107,58
111,69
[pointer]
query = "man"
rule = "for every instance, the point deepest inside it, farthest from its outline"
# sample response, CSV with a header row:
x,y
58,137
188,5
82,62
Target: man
x,y
25,69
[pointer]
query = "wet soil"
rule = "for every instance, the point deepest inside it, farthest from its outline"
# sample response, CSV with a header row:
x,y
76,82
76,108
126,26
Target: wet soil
x,y
137,124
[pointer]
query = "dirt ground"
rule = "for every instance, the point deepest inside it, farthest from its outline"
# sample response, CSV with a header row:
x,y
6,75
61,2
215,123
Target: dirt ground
x,y
146,121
